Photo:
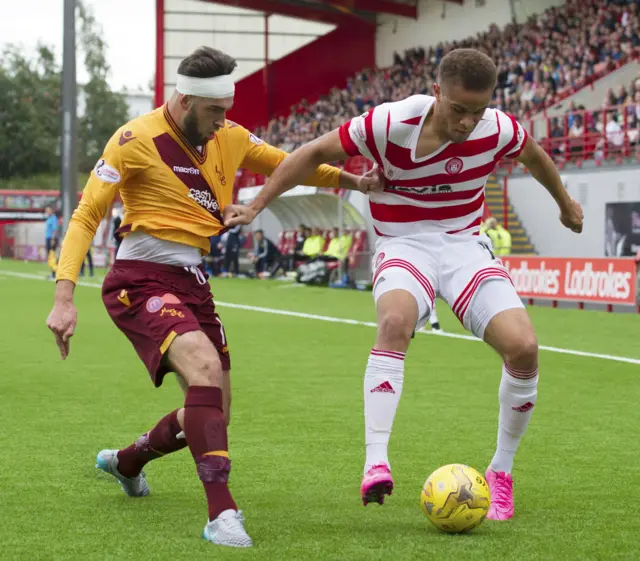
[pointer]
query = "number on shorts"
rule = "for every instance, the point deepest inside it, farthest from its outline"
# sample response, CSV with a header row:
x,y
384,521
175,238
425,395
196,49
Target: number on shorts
x,y
223,335
488,249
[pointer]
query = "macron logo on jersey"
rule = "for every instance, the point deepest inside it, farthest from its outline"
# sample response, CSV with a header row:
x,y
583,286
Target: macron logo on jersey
x,y
190,171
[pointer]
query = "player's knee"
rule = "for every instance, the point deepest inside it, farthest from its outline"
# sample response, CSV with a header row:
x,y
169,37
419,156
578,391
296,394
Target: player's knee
x,y
206,371
522,351
395,328
195,359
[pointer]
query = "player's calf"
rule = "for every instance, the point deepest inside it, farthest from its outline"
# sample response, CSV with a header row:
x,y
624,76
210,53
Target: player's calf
x,y
165,438
384,377
195,359
226,396
511,334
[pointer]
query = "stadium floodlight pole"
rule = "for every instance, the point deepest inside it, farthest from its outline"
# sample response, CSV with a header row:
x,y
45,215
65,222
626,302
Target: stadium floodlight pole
x,y
69,175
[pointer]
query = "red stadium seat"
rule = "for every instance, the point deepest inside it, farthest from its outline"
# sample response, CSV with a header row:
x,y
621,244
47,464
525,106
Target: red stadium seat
x,y
359,246
290,242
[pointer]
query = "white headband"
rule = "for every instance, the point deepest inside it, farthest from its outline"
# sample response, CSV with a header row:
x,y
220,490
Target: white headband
x,y
217,87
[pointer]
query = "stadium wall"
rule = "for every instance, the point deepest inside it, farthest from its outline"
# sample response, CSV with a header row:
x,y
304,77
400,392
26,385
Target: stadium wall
x,y
307,73
593,189
440,21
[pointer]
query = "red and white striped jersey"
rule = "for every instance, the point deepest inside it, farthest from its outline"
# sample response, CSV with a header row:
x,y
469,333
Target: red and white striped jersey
x,y
442,192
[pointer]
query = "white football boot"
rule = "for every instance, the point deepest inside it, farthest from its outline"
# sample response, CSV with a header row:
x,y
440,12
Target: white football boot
x,y
227,529
107,461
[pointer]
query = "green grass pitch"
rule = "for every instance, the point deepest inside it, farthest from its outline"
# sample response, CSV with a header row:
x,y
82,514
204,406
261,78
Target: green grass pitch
x,y
296,436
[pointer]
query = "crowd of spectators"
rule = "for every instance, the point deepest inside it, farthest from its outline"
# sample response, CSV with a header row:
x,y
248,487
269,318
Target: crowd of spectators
x,y
539,63
612,128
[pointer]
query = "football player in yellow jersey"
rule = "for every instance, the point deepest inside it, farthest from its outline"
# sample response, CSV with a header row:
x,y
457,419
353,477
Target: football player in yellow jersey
x,y
174,169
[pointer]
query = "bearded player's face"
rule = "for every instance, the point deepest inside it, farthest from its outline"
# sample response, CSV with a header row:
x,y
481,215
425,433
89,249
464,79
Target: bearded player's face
x,y
204,118
460,110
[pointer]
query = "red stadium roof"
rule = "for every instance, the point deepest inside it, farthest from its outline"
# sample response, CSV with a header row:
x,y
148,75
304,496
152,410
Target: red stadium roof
x,y
337,12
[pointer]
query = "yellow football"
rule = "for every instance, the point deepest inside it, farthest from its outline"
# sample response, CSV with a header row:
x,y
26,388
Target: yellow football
x,y
455,498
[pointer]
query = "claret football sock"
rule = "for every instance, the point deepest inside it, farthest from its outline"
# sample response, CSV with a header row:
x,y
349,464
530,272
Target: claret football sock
x,y
206,432
159,441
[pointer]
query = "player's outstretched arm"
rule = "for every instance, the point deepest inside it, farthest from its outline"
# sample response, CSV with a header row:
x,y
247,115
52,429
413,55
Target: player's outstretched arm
x,y
295,169
260,157
97,197
82,229
541,166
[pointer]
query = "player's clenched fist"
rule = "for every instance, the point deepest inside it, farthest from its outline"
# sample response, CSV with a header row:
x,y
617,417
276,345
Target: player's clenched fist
x,y
572,216
233,215
372,181
62,321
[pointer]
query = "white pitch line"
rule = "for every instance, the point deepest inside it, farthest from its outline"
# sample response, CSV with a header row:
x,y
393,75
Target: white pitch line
x,y
352,322
291,285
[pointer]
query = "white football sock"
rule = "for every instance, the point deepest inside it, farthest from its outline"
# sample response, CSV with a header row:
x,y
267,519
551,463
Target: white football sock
x,y
518,393
433,318
383,382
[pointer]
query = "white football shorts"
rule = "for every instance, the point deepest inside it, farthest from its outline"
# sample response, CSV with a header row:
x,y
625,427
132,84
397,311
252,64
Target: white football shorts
x,y
463,271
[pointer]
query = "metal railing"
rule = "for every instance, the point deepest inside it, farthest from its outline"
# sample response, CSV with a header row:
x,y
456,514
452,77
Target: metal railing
x,y
610,133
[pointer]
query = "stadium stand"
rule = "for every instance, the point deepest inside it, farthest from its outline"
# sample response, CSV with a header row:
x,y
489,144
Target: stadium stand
x,y
540,63
551,58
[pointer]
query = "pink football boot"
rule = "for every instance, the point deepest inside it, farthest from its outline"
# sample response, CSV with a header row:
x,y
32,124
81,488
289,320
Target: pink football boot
x,y
501,487
376,483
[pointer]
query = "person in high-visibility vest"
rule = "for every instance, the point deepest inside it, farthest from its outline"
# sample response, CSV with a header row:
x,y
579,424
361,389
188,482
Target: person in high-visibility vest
x,y
490,228
499,236
313,245
505,241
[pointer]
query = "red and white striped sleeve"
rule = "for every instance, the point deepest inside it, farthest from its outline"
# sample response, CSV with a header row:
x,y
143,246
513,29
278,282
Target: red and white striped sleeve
x,y
353,135
366,134
513,136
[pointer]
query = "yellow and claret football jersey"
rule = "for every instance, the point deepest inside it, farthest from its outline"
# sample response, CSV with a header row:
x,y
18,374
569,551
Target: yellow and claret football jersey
x,y
170,189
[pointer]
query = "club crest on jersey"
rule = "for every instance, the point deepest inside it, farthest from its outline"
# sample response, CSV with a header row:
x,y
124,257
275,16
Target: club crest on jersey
x,y
221,178
380,259
453,166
